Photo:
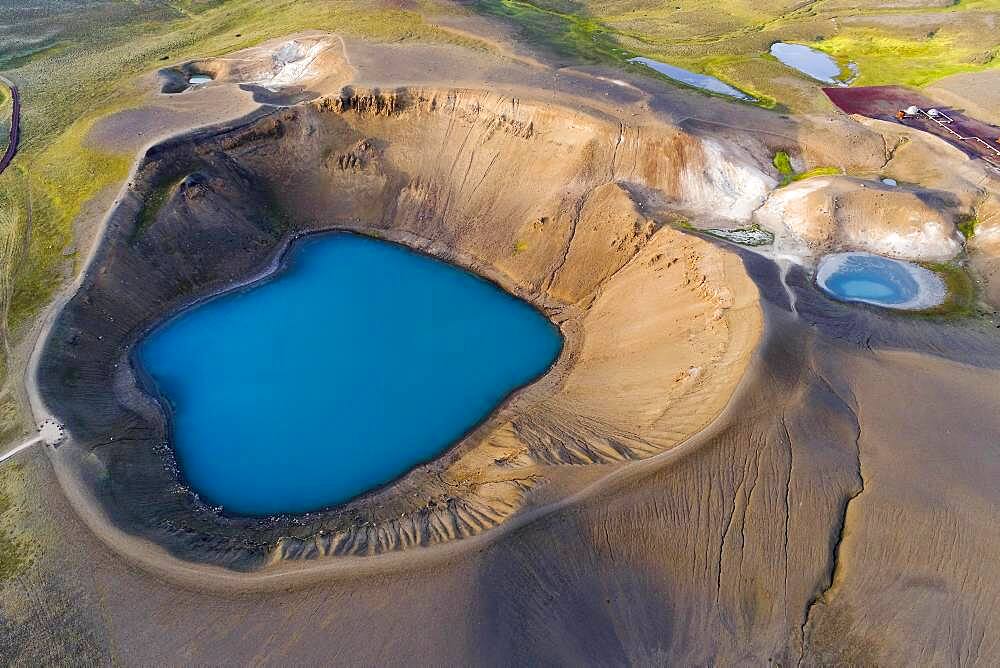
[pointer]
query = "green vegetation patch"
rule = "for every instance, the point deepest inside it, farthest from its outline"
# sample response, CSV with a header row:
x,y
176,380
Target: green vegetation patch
x,y
562,28
569,31
818,171
152,204
50,194
886,58
783,163
967,226
14,62
17,550
962,294
13,557
738,71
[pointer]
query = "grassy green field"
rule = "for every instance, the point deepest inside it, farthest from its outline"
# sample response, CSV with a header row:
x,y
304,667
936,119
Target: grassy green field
x,y
16,549
915,45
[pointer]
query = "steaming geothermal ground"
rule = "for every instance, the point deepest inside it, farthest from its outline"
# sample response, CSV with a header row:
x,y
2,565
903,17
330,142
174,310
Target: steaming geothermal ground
x,y
723,465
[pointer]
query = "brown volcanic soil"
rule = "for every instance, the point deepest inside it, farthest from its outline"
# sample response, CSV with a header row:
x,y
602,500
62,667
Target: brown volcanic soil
x,y
976,93
834,213
839,509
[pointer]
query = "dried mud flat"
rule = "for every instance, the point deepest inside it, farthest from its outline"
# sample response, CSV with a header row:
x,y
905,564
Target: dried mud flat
x,y
712,473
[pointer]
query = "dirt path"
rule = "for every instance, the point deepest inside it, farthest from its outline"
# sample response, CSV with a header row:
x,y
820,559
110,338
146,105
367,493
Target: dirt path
x,y
15,125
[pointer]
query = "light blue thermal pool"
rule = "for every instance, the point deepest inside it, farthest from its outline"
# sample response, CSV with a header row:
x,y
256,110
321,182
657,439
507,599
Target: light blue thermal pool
x,y
357,362
882,281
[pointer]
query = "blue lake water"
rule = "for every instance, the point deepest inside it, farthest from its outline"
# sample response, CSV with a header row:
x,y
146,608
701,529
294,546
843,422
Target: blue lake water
x,y
812,62
702,81
873,279
358,361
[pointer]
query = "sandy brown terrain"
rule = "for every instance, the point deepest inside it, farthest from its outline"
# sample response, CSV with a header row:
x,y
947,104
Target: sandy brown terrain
x,y
827,214
977,93
708,475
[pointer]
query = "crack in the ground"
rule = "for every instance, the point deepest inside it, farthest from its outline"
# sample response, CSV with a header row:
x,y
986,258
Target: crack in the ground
x,y
574,220
836,557
578,211
788,493
890,153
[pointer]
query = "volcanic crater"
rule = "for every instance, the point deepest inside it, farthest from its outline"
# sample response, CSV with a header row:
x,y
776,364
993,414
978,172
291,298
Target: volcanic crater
x,y
546,201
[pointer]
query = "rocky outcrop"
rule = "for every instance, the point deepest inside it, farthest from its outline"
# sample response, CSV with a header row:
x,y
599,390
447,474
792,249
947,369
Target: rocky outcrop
x,y
830,214
278,71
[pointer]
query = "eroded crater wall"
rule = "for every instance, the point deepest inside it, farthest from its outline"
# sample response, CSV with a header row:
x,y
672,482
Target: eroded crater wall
x,y
659,325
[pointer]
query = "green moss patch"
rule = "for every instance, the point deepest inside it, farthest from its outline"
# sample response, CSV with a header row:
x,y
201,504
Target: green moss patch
x,y
890,58
17,550
152,204
783,163
967,227
962,293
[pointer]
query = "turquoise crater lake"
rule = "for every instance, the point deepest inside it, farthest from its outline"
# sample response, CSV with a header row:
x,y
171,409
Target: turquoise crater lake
x,y
356,362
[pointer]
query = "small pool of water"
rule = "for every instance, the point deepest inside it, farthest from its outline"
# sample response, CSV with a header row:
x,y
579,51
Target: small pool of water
x,y
199,79
882,281
702,81
357,362
812,62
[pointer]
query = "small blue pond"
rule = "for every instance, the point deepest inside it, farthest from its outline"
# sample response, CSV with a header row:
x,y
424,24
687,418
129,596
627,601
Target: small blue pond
x,y
358,361
811,62
693,79
873,279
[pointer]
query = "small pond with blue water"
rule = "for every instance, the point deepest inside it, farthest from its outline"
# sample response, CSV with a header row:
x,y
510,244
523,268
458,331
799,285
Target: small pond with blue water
x,y
812,62
882,281
703,81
